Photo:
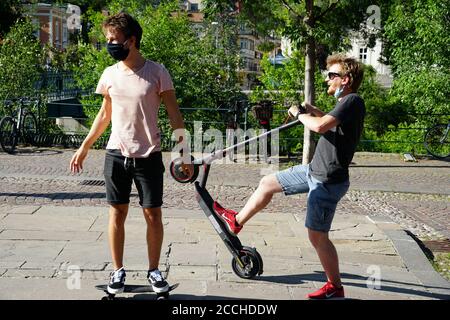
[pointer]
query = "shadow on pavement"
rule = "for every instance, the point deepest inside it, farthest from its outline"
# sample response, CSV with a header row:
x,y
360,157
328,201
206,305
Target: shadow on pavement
x,y
36,152
152,296
57,195
397,166
320,277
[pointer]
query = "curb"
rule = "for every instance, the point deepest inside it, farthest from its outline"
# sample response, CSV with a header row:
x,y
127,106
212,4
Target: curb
x,y
413,257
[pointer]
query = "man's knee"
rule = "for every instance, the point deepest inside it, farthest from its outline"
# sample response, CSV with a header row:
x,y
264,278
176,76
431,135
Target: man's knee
x,y
118,213
118,210
317,238
269,184
153,215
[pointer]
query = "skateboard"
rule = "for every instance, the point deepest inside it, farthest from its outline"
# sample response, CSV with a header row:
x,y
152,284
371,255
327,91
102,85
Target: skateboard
x,y
133,288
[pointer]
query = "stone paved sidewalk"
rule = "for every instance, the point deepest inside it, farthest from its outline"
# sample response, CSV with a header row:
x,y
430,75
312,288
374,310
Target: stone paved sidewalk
x,y
63,253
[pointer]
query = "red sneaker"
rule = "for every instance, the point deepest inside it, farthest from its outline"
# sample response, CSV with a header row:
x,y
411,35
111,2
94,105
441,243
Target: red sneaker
x,y
328,291
228,217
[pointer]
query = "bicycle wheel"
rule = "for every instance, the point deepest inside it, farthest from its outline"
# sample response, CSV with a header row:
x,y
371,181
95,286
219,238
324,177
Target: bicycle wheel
x,y
437,141
8,134
29,128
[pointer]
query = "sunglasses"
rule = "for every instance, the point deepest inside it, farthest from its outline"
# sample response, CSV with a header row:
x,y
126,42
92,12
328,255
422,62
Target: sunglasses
x,y
332,75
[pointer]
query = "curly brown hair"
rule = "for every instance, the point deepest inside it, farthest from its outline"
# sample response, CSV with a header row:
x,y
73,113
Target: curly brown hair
x,y
126,24
351,68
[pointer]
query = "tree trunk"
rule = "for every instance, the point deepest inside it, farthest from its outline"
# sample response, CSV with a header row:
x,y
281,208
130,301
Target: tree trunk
x,y
310,66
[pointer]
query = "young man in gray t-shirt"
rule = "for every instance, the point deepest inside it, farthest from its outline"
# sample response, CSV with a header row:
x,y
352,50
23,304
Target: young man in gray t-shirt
x,y
326,178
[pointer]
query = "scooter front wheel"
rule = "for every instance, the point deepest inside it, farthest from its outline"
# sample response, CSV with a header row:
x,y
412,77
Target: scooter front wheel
x,y
252,263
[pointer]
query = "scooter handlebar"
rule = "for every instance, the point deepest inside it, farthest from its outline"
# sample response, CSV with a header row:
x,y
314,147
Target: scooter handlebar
x,y
221,153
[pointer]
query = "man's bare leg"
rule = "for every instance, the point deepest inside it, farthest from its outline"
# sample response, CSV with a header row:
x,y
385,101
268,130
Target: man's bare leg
x,y
155,235
327,254
267,187
116,233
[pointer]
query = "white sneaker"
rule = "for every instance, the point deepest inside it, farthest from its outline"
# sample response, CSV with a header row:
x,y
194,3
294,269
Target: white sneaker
x,y
157,281
117,283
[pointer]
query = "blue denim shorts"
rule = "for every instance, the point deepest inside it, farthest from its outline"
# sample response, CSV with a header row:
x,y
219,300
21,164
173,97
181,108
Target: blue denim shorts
x,y
322,197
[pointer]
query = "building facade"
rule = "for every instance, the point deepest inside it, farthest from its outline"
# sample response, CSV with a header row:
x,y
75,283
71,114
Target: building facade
x,y
248,42
371,56
54,22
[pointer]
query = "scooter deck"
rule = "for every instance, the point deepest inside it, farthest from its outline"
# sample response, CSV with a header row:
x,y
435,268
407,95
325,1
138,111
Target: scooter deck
x,y
206,203
231,241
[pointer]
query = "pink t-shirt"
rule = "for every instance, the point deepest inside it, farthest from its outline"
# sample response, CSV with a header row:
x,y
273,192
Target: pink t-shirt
x,y
135,97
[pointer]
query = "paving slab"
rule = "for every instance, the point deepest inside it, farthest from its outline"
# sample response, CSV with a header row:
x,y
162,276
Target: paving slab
x,y
45,235
195,254
50,289
23,209
83,252
248,291
11,262
48,222
193,272
30,250
30,273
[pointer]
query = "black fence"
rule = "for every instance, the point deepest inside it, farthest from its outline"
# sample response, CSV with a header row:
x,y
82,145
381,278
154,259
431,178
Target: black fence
x,y
236,116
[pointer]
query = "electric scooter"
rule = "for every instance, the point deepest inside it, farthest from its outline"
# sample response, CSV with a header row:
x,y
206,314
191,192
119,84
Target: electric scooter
x,y
247,262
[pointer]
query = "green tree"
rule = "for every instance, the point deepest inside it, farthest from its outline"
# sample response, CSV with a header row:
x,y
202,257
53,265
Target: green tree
x,y
10,11
21,60
416,42
203,70
312,26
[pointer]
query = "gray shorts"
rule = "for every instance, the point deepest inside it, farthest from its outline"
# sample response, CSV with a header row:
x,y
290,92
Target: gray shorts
x,y
322,197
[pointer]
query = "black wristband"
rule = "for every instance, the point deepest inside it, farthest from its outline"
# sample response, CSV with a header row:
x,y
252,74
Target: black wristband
x,y
301,109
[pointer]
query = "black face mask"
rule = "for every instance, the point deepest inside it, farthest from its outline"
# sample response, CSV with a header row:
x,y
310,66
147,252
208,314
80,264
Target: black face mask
x,y
117,51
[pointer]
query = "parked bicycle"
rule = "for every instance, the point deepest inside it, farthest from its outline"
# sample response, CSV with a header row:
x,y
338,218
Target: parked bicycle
x,y
437,140
22,124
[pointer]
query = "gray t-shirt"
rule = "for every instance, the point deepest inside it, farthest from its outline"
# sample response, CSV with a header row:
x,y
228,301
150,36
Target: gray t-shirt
x,y
337,146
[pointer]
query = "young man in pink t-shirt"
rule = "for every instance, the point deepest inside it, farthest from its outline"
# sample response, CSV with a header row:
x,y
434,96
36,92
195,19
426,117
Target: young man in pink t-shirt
x,y
132,90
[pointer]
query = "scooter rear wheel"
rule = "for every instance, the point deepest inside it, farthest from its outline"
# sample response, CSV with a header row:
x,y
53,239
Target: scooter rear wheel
x,y
252,265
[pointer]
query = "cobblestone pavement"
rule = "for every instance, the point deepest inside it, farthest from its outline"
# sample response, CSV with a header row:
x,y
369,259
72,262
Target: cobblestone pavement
x,y
415,195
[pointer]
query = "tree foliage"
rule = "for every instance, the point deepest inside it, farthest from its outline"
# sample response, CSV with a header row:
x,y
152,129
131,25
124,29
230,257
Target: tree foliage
x,y
332,21
203,68
10,11
21,61
417,41
315,28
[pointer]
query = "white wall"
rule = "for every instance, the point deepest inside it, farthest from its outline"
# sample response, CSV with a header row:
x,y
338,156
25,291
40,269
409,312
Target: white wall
x,y
372,56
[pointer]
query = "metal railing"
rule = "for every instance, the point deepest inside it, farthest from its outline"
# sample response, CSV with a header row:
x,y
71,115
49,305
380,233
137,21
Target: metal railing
x,y
239,115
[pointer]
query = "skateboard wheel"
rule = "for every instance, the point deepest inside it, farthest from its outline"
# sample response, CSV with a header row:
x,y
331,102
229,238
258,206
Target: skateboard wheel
x,y
162,296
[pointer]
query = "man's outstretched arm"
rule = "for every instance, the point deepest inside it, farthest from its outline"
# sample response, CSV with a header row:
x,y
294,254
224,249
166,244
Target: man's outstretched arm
x,y
315,120
99,126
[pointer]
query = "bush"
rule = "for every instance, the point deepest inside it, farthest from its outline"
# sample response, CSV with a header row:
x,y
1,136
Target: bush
x,y
404,138
21,61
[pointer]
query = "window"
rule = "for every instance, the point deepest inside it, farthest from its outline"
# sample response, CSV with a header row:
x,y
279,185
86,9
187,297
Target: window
x,y
244,44
37,28
247,44
363,55
194,7
57,32
64,36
